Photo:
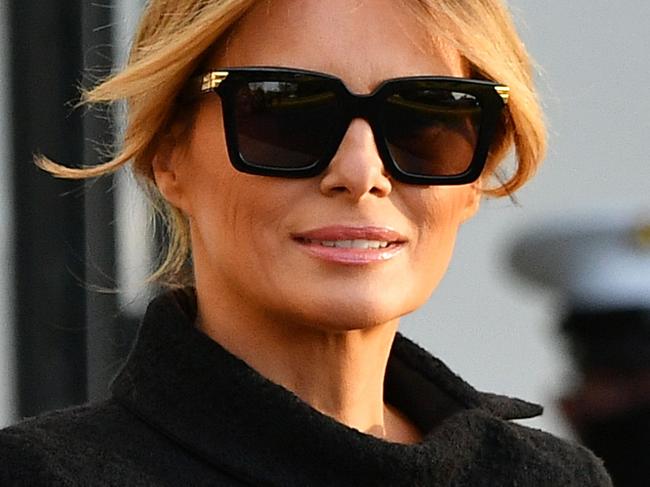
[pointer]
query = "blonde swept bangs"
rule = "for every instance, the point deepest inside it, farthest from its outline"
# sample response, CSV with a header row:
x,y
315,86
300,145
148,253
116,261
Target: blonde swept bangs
x,y
174,37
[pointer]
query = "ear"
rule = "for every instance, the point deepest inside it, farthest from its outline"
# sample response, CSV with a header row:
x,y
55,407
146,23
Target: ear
x,y
473,202
169,172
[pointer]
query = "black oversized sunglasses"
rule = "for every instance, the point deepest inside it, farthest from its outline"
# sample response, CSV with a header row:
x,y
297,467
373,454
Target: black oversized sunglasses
x,y
290,122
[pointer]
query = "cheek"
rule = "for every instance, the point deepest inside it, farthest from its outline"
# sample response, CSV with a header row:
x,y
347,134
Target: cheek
x,y
235,215
439,216
445,210
219,196
229,211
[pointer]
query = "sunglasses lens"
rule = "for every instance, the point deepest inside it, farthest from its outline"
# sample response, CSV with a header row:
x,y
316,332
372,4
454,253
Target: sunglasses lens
x,y
286,124
432,132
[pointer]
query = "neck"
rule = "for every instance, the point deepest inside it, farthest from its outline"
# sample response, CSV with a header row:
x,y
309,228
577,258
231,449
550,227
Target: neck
x,y
339,373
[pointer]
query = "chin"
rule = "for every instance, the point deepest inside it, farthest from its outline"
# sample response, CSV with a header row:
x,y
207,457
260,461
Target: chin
x,y
351,312
350,302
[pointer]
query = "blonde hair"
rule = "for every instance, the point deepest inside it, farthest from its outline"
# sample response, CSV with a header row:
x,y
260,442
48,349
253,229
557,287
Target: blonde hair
x,y
175,35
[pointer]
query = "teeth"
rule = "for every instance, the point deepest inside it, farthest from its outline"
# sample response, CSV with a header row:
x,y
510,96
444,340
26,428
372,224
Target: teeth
x,y
352,244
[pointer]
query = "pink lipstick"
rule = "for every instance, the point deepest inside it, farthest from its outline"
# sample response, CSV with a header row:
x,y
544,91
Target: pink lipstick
x,y
351,245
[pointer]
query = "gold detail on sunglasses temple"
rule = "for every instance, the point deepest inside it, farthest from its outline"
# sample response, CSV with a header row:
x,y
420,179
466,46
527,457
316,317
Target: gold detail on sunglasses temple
x,y
504,92
211,81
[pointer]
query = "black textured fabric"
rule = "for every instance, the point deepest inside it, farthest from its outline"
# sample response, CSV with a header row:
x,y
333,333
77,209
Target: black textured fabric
x,y
186,412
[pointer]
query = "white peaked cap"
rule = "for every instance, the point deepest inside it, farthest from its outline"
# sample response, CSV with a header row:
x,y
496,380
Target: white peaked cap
x,y
602,261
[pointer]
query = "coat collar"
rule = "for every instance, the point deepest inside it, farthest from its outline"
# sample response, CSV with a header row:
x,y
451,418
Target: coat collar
x,y
189,387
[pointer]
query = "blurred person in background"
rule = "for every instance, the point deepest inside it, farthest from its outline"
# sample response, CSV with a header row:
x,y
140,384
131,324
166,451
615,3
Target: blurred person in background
x,y
601,270
313,162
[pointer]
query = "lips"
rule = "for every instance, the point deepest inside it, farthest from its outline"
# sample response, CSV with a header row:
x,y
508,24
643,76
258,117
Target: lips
x,y
341,233
351,245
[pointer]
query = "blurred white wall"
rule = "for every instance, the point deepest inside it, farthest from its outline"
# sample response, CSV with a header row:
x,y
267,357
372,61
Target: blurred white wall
x,y
500,333
134,254
6,313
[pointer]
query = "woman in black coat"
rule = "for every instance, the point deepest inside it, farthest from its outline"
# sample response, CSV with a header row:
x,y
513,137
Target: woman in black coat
x,y
315,159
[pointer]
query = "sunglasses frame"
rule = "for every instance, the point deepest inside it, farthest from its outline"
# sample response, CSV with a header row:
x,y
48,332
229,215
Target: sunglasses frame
x,y
492,98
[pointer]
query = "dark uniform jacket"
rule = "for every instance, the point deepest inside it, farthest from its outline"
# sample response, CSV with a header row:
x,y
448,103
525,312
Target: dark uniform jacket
x,y
185,412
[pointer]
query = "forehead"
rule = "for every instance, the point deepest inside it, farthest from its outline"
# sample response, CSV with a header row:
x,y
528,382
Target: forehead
x,y
361,41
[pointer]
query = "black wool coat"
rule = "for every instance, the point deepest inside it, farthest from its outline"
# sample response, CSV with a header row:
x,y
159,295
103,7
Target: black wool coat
x,y
185,412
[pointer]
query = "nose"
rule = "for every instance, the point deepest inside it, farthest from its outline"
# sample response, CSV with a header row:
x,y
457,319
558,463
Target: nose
x,y
357,170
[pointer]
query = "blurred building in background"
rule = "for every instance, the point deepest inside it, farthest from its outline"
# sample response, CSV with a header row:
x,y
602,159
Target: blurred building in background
x,y
601,271
7,410
65,327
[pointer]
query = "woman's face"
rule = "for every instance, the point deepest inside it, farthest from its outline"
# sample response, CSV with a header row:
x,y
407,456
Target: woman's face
x,y
250,233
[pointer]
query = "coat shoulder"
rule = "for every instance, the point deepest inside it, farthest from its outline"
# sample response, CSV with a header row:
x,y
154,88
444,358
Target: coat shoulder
x,y
533,457
66,447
